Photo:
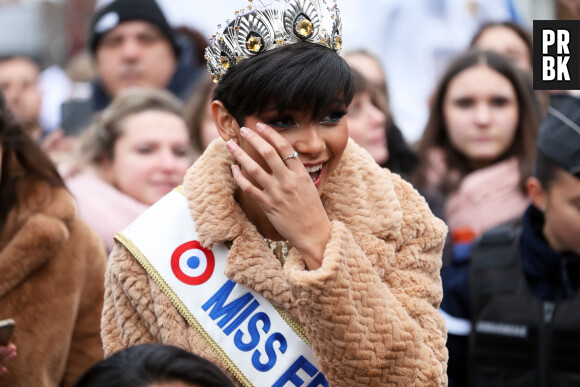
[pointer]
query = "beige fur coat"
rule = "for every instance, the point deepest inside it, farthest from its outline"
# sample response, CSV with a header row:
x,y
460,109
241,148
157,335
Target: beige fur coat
x,y
52,269
370,310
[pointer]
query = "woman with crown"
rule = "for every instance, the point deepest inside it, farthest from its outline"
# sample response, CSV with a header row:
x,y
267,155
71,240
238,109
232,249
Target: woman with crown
x,y
288,257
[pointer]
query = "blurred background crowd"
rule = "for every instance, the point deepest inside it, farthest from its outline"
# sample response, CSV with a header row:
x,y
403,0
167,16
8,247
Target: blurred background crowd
x,y
414,39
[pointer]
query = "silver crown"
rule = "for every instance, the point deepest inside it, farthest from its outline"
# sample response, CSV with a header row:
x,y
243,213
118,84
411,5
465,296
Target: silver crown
x,y
266,25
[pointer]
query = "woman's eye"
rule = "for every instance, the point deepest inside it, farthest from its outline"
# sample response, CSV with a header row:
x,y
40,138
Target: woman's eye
x,y
464,102
333,118
281,123
499,101
181,152
144,150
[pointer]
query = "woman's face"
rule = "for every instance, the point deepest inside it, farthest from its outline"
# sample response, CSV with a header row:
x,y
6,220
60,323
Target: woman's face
x,y
480,110
151,157
507,42
366,126
319,145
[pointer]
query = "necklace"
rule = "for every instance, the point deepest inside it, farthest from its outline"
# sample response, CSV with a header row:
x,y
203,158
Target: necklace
x,y
280,249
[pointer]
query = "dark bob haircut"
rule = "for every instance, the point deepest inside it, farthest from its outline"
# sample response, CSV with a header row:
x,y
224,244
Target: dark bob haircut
x,y
146,364
302,76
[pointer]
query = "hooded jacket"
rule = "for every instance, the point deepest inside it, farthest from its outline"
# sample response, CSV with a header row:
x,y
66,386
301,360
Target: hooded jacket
x,y
370,310
51,283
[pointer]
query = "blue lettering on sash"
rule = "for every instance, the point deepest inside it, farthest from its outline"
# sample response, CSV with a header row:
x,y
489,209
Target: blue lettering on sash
x,y
231,309
291,375
227,312
253,331
276,337
242,317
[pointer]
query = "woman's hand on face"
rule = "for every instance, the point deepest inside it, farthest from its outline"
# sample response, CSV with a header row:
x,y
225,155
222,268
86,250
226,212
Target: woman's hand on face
x,y
6,353
288,197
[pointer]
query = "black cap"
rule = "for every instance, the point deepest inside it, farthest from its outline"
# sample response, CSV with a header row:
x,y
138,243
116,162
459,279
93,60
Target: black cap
x,y
559,137
120,11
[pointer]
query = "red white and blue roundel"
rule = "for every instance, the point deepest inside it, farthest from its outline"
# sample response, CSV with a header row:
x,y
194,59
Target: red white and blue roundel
x,y
192,264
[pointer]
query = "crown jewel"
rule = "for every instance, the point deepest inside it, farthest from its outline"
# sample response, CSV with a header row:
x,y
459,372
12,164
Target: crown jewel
x,y
269,24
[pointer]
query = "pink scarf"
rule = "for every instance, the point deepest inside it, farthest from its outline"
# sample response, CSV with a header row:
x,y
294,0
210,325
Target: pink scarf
x,y
103,207
487,198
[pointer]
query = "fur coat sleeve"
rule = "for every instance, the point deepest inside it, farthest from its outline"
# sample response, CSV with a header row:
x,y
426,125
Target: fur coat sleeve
x,y
51,283
370,310
374,321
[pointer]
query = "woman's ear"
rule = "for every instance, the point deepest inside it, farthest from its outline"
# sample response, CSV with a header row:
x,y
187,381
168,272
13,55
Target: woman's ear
x,y
537,193
226,124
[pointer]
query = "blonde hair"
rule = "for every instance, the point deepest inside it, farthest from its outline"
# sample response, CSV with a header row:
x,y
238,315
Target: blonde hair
x,y
97,143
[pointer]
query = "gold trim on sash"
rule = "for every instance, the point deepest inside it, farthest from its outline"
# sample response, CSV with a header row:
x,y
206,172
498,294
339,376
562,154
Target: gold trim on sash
x,y
134,250
180,189
295,326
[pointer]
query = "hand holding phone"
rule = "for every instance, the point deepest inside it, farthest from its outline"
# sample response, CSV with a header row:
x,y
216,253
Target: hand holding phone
x,y
6,329
7,351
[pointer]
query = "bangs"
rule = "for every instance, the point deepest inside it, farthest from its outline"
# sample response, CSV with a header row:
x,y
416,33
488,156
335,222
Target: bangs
x,y
303,76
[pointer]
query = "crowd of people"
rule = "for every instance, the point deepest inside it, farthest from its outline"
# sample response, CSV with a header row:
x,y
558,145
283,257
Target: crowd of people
x,y
257,217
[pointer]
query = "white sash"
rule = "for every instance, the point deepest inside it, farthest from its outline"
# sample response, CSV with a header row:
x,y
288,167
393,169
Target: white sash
x,y
258,343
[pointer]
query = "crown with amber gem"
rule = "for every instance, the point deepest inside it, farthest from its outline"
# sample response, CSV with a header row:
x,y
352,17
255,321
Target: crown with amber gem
x,y
266,25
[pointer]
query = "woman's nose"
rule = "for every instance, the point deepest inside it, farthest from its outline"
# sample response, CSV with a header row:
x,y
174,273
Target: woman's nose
x,y
311,141
482,114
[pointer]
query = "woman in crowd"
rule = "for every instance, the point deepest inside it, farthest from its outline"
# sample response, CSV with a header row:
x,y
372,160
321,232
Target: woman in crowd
x,y
478,147
515,43
370,111
509,39
135,152
262,264
476,154
367,121
51,269
198,115
153,365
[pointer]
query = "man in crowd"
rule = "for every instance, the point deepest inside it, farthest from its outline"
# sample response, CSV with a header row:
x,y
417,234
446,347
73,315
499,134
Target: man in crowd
x,y
19,83
524,280
133,46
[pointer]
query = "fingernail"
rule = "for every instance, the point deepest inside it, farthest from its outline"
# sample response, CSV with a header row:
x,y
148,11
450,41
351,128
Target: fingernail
x,y
235,169
244,130
230,144
260,126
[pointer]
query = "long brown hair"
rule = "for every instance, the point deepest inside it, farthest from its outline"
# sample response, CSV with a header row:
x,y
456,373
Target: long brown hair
x,y
436,136
22,162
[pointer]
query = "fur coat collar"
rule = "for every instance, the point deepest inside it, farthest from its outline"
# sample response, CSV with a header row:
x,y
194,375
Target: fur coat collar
x,y
250,261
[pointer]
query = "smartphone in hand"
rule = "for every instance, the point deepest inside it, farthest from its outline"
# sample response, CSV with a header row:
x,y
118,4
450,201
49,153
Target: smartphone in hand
x,y
6,329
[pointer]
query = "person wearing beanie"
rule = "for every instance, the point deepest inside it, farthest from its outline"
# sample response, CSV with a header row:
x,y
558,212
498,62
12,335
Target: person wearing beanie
x,y
524,279
133,45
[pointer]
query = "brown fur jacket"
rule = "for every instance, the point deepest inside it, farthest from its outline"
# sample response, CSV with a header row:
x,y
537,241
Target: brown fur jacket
x,y
370,310
52,268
